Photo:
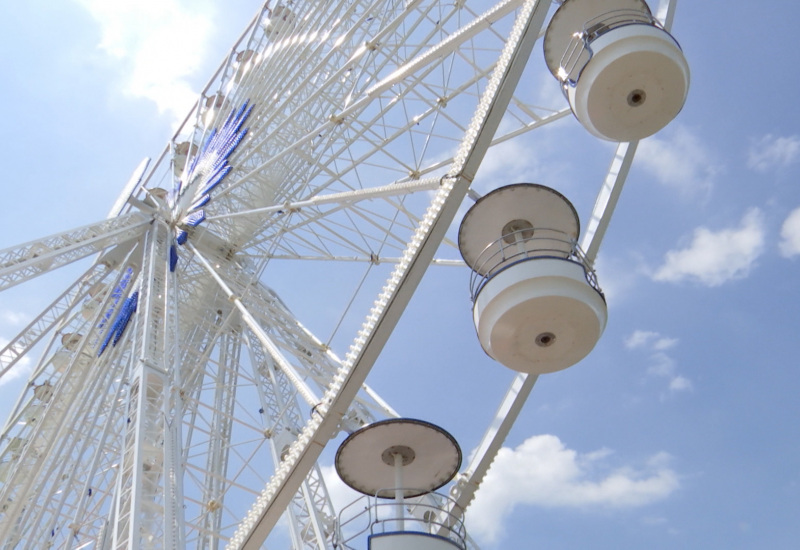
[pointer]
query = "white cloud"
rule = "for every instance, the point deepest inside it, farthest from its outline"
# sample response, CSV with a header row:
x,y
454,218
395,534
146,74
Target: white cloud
x,y
682,162
158,45
790,234
680,383
13,318
660,363
509,161
617,278
713,258
341,495
649,339
773,152
543,472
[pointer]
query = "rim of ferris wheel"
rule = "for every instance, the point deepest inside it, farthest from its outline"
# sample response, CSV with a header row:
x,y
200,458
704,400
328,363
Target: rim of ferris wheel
x,y
427,455
537,305
624,75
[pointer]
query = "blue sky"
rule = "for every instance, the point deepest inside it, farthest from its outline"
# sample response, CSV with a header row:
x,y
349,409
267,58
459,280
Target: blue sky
x,y
680,430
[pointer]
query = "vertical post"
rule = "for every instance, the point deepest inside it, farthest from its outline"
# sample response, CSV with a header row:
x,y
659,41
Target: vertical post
x,y
145,513
399,493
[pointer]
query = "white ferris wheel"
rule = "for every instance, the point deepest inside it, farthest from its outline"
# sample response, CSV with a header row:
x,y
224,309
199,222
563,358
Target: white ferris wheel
x,y
175,400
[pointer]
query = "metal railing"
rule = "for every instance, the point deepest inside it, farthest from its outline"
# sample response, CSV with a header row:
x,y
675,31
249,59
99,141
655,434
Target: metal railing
x,y
524,245
592,30
432,514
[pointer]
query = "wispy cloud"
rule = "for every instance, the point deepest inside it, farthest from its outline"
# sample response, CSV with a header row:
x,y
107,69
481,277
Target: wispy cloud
x,y
649,340
660,364
340,494
771,152
790,234
681,162
543,472
158,45
509,162
715,257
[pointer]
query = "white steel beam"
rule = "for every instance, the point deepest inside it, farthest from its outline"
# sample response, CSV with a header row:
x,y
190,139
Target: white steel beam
x,y
24,262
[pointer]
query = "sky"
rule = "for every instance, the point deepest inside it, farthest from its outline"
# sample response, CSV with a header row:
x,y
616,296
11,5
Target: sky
x,y
680,429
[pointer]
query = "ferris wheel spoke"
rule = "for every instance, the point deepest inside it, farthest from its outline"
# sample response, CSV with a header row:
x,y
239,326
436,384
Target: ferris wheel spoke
x,y
80,329
311,358
52,315
81,479
343,198
22,263
262,336
291,337
326,230
221,421
469,480
311,510
218,491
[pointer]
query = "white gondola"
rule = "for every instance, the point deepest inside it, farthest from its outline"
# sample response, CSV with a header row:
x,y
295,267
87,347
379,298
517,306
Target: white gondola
x,y
624,75
43,392
279,22
215,108
536,304
90,306
243,63
70,340
40,250
180,154
400,459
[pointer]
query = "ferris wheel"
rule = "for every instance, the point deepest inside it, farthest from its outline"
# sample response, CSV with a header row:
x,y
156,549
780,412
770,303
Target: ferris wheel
x,y
175,400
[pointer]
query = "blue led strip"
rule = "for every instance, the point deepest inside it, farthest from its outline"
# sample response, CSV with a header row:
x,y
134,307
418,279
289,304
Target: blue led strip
x,y
173,257
210,167
116,296
120,323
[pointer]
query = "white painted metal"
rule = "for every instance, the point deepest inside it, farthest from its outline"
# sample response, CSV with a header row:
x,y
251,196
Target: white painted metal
x,y
571,18
463,491
27,261
410,541
634,85
371,120
428,457
614,182
536,304
540,315
624,75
